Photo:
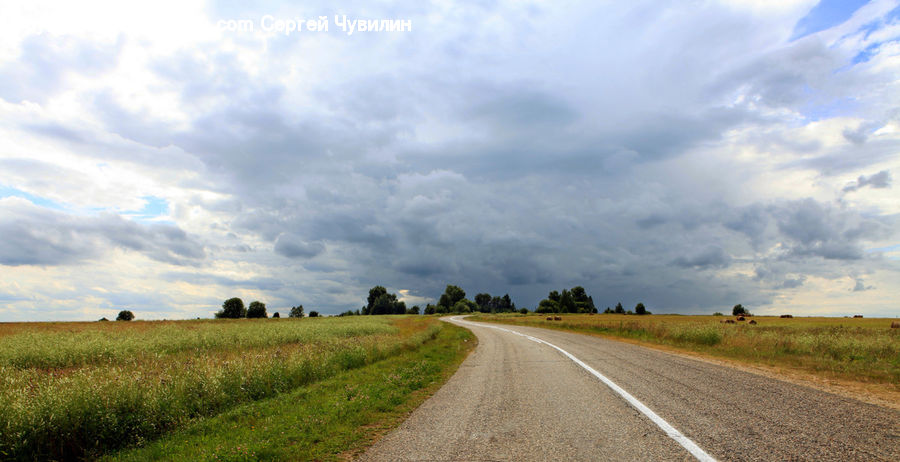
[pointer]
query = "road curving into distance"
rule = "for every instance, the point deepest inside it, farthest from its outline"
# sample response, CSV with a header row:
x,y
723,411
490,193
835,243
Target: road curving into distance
x,y
537,394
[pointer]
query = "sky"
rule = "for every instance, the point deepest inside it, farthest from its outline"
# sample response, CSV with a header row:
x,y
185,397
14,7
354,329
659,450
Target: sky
x,y
689,155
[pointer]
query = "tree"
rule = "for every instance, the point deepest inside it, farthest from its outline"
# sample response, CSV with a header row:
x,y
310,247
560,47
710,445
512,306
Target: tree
x,y
554,296
314,314
547,306
484,302
413,310
374,293
640,309
296,312
590,305
717,313
380,301
578,294
430,309
233,308
523,311
619,308
464,306
275,315
739,310
506,304
566,303
125,315
257,309
454,295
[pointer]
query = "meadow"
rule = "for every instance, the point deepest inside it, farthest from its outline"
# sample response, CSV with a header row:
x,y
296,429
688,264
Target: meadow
x,y
856,349
78,390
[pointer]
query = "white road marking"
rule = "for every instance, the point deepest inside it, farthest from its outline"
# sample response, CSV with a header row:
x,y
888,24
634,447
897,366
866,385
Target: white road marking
x,y
673,433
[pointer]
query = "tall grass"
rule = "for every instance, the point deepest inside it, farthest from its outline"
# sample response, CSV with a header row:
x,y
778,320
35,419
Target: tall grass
x,y
108,343
856,349
119,390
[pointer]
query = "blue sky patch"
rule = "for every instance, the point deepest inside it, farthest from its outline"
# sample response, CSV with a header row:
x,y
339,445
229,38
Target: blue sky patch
x,y
825,15
8,191
154,207
835,108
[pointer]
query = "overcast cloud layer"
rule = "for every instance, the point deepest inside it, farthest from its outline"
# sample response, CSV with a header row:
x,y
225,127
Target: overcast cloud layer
x,y
687,155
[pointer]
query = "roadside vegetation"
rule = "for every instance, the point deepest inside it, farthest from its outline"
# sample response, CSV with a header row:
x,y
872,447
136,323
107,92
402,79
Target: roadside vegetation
x,y
78,390
333,419
866,350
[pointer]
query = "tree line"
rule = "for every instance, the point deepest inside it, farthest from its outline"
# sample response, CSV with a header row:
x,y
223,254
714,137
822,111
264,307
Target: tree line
x,y
233,308
638,309
574,300
452,301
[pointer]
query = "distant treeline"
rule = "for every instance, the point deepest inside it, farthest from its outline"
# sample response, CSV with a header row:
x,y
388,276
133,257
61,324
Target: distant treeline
x,y
452,301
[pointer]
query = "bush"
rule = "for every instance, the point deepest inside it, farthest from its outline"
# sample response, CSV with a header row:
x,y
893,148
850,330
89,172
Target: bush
x,y
523,311
464,306
718,314
296,312
275,315
125,315
257,309
314,314
233,308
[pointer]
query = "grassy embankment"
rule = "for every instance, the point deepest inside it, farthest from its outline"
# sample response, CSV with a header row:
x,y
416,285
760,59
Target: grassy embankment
x,y
862,350
71,390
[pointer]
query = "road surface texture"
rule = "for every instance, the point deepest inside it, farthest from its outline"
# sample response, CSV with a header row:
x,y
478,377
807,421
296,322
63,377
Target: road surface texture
x,y
517,399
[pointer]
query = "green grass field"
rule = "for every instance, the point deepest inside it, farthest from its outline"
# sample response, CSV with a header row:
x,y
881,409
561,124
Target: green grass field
x,y
79,390
865,350
327,420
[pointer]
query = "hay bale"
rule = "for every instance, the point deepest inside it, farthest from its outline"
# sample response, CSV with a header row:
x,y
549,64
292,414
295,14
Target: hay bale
x,y
752,321
895,325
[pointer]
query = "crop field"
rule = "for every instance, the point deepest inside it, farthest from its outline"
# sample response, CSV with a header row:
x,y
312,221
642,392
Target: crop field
x,y
74,390
862,349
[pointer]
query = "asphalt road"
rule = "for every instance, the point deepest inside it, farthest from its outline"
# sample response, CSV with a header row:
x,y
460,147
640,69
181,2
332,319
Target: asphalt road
x,y
517,399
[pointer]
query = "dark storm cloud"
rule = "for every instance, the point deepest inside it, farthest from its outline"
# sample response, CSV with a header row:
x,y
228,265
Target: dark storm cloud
x,y
38,236
528,164
293,246
812,229
712,256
